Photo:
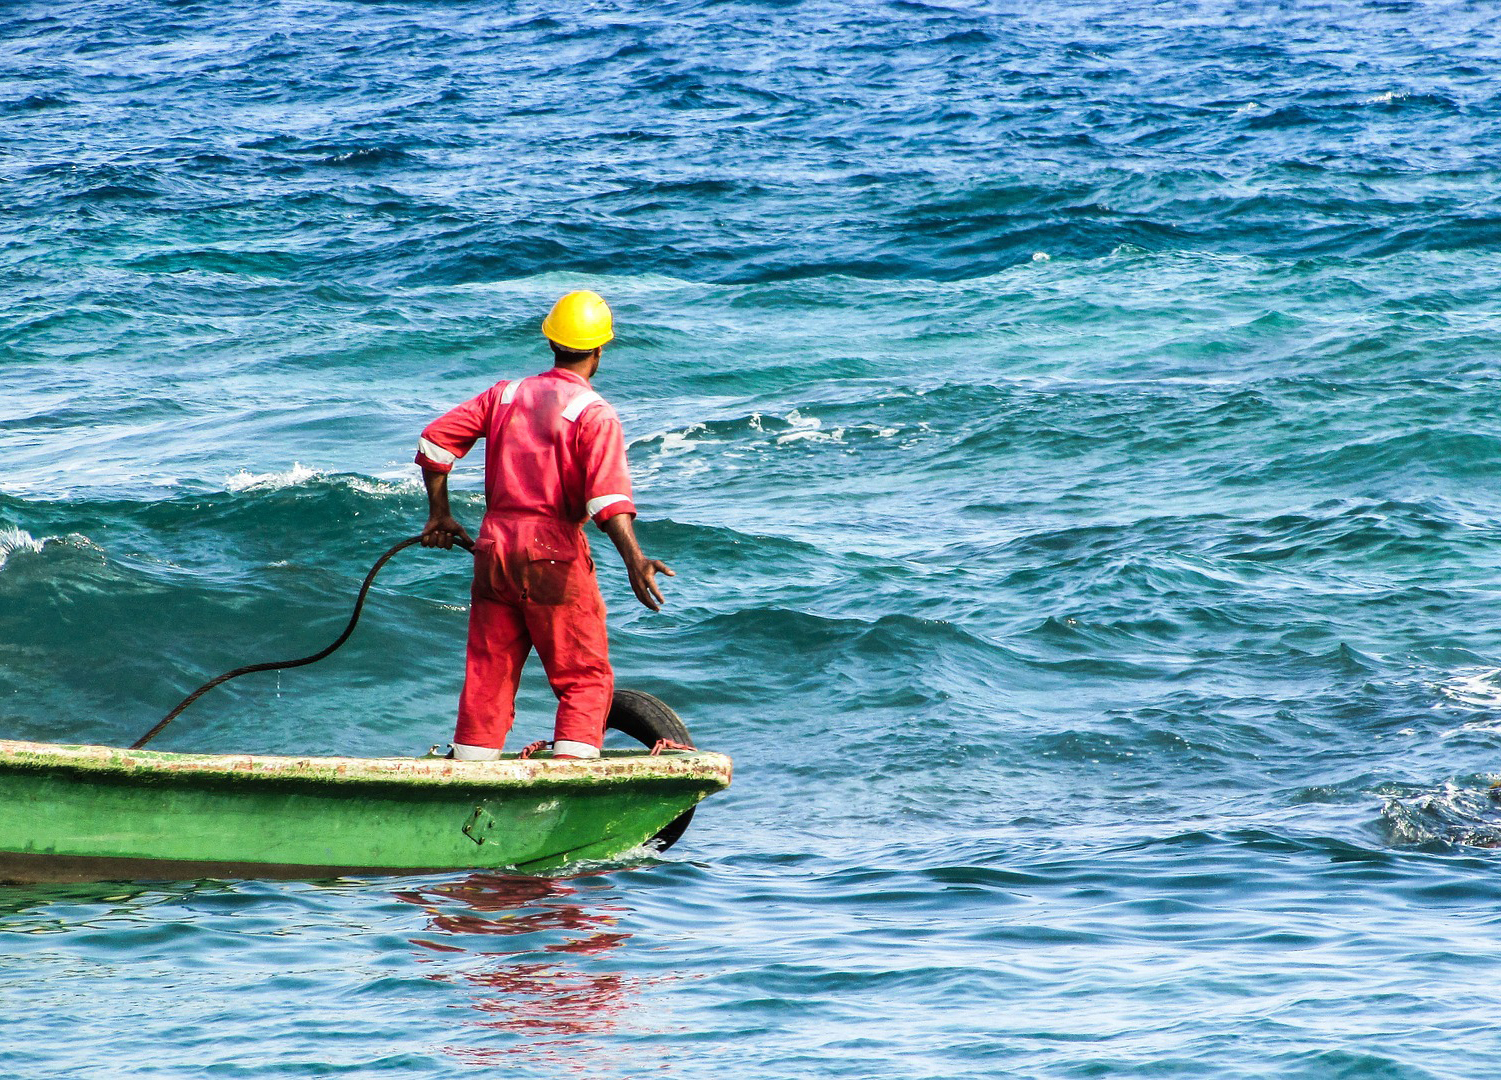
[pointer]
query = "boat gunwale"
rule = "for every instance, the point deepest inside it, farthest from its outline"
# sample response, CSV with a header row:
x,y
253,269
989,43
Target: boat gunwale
x,y
692,767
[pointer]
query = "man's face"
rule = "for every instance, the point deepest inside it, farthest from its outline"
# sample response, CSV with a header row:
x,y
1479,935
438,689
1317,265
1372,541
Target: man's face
x,y
594,364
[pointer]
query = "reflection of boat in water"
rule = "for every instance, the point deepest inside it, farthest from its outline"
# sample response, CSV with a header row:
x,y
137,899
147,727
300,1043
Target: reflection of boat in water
x,y
533,955
78,813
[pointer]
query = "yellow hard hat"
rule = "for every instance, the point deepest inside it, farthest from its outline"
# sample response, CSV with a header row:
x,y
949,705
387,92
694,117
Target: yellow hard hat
x,y
581,321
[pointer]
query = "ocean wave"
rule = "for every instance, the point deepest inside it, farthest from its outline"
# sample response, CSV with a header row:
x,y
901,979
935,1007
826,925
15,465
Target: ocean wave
x,y
826,638
362,157
1463,812
13,540
35,103
296,476
226,538
1439,453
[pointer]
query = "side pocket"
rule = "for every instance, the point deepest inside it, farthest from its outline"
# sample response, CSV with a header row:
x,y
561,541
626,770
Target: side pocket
x,y
488,574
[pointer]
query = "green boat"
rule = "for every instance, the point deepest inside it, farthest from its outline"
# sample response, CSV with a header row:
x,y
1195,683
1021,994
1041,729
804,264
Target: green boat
x,y
100,813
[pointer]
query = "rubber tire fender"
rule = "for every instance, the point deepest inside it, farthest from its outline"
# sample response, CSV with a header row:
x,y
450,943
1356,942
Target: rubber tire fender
x,y
648,719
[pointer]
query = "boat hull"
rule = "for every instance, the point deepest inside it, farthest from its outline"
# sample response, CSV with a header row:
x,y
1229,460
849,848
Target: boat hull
x,y
81,813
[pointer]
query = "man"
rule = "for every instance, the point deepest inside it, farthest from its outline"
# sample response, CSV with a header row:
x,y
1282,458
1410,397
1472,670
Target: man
x,y
554,456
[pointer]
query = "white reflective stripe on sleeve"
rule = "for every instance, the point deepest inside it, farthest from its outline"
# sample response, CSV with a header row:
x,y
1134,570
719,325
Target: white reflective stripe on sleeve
x,y
595,505
577,749
508,395
433,452
577,406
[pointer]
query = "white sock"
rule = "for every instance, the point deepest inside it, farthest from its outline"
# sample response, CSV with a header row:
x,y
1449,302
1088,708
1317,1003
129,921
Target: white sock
x,y
576,749
465,752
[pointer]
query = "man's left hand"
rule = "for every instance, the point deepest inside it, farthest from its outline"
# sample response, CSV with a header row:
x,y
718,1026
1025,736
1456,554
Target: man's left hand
x,y
643,574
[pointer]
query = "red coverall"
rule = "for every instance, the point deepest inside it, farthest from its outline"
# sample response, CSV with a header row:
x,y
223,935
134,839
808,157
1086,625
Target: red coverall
x,y
554,455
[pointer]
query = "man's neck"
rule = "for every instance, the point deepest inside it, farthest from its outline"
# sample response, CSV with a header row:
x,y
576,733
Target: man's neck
x,y
581,370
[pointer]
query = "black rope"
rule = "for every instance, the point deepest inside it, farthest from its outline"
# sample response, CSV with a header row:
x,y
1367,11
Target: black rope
x,y
359,604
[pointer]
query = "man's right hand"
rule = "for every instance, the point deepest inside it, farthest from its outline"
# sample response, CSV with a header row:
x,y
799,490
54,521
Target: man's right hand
x,y
442,530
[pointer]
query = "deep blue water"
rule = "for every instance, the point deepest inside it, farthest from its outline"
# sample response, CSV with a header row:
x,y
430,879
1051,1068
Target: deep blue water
x,y
1073,426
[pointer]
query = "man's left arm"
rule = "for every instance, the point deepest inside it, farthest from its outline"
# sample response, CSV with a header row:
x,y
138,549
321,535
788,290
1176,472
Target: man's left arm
x,y
607,493
621,530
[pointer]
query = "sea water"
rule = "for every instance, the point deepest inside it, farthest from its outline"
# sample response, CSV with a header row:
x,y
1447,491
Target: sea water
x,y
1074,428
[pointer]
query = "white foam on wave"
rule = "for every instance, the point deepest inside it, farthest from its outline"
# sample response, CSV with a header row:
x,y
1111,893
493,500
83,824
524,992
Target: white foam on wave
x,y
679,442
807,428
1475,690
672,444
386,485
245,480
300,474
812,435
13,540
1481,688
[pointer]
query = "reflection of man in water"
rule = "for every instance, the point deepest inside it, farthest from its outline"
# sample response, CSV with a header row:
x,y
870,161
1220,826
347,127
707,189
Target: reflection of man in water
x,y
554,456
530,997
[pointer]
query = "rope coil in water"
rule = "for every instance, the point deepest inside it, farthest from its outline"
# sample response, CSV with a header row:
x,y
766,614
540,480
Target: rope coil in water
x,y
359,604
